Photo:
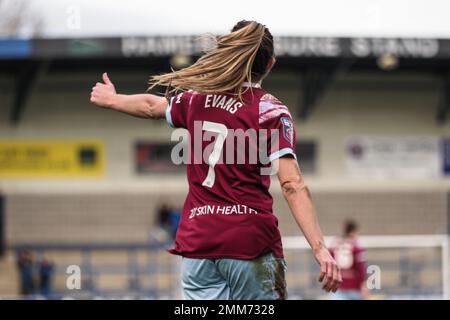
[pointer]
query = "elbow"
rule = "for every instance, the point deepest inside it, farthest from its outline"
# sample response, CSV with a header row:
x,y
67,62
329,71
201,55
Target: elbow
x,y
152,110
148,111
293,186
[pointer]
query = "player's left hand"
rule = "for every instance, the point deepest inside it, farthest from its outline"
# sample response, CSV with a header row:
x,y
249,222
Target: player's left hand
x,y
330,274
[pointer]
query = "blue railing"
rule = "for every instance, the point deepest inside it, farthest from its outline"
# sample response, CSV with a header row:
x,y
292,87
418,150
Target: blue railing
x,y
134,270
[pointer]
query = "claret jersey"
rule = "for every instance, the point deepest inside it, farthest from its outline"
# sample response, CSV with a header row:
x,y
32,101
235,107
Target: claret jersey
x,y
351,259
228,210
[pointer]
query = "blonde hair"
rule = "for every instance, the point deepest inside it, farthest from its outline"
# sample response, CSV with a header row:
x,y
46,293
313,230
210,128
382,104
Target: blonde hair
x,y
223,68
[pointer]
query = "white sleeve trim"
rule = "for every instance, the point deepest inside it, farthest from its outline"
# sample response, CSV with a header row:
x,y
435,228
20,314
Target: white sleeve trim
x,y
168,114
280,153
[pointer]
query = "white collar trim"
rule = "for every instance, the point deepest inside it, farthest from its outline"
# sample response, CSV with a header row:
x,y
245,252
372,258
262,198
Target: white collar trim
x,y
253,85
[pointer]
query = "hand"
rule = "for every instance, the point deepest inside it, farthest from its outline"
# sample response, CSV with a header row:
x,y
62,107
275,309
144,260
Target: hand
x,y
330,275
103,94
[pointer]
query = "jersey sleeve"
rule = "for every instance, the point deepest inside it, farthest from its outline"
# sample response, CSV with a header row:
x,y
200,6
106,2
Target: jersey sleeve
x,y
176,112
275,117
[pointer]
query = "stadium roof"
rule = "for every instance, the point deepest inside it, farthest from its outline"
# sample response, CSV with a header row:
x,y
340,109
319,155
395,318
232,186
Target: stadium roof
x,y
318,59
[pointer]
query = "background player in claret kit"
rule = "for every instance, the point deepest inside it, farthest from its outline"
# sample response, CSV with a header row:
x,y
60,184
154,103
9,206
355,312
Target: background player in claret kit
x,y
228,235
351,258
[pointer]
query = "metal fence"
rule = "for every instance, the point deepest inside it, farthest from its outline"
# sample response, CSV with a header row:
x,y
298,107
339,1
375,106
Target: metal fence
x,y
407,267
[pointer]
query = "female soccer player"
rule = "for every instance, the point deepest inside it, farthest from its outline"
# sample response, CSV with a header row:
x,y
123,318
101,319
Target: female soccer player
x,y
351,258
228,235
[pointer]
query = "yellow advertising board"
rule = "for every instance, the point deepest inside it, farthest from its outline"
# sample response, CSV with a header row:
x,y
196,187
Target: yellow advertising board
x,y
51,158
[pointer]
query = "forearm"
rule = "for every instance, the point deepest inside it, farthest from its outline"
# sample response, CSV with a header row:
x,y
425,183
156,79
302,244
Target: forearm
x,y
299,200
140,105
145,105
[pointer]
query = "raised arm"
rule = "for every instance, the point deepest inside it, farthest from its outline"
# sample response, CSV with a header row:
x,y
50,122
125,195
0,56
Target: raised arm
x,y
145,105
299,200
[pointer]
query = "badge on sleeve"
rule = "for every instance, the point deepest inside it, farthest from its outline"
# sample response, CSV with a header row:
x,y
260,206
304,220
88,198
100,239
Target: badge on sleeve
x,y
288,129
179,98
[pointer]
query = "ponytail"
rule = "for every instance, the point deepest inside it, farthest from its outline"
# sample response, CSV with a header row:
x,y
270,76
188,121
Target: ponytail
x,y
225,67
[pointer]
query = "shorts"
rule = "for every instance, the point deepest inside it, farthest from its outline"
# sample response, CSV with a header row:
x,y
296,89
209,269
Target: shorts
x,y
262,278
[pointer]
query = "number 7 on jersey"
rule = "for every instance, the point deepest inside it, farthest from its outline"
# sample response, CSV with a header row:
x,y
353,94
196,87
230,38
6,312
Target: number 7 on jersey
x,y
214,157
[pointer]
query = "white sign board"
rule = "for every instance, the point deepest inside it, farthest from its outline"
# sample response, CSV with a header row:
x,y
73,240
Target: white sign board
x,y
379,157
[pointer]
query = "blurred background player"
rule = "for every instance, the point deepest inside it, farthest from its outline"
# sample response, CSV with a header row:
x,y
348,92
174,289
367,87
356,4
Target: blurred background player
x,y
46,270
25,265
351,258
166,224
